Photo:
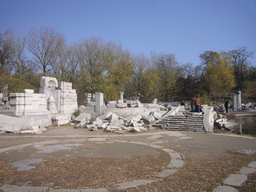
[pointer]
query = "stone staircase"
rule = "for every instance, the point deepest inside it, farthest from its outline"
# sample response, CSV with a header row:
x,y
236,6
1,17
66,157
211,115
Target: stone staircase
x,y
188,121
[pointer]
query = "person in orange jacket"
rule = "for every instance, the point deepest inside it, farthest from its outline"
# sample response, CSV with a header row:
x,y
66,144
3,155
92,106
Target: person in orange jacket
x,y
197,104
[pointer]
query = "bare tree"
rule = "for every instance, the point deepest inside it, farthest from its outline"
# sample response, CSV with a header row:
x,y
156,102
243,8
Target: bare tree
x,y
44,44
72,61
241,60
8,52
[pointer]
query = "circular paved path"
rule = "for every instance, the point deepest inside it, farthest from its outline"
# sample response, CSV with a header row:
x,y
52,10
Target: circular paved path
x,y
185,150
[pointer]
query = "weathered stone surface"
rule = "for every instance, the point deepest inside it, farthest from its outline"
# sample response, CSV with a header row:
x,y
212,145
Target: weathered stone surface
x,y
246,151
252,164
134,184
225,189
176,163
97,139
24,165
167,172
235,179
247,170
14,188
83,117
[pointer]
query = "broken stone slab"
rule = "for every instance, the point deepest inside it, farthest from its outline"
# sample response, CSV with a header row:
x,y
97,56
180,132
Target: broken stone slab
x,y
113,117
97,122
135,129
127,128
27,132
83,117
135,123
108,129
144,118
121,105
33,129
134,118
81,124
143,129
235,179
118,122
104,125
156,115
120,131
105,116
93,128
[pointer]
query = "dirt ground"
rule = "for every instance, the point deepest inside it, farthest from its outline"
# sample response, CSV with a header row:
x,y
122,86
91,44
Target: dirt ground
x,y
210,159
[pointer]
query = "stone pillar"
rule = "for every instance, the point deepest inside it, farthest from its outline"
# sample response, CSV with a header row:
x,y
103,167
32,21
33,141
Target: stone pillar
x,y
99,102
121,97
237,102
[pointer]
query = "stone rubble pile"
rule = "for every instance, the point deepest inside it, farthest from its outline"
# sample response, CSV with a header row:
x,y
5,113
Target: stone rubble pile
x,y
226,124
111,122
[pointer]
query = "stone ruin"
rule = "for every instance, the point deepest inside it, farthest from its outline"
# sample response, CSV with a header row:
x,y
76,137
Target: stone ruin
x,y
54,104
132,116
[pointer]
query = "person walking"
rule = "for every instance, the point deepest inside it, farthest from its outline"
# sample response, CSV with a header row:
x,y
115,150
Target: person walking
x,y
197,104
226,105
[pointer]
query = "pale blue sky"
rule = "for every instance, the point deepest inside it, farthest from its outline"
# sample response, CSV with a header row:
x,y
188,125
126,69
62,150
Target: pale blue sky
x,y
185,28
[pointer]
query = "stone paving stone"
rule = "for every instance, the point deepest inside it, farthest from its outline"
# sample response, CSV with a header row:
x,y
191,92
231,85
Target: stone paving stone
x,y
135,184
247,170
155,137
246,151
168,150
186,137
175,155
235,179
14,188
252,164
137,142
79,190
24,165
174,134
167,172
176,163
159,142
225,189
156,146
97,139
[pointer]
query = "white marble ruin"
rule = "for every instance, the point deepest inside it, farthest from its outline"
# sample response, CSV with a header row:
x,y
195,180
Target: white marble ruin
x,y
237,102
55,103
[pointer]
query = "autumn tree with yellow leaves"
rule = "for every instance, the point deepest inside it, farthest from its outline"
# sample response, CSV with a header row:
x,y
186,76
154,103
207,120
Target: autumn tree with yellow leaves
x,y
220,75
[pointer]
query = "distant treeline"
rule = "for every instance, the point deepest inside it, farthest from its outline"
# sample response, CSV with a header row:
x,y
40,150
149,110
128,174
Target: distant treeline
x,y
94,65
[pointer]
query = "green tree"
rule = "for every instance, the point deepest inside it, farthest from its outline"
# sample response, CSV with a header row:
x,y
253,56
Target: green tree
x,y
169,72
120,69
220,75
92,64
150,82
